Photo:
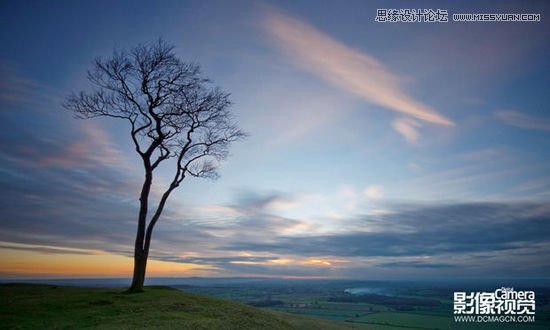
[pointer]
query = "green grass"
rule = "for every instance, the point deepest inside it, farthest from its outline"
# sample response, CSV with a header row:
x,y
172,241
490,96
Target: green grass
x,y
51,307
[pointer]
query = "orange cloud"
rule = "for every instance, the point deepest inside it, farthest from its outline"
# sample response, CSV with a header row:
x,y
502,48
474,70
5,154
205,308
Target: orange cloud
x,y
319,262
324,262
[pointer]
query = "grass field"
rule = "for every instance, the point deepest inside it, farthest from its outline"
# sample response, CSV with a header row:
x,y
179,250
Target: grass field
x,y
56,307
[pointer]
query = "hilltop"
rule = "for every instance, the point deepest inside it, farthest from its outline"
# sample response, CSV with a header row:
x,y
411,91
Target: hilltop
x,y
28,306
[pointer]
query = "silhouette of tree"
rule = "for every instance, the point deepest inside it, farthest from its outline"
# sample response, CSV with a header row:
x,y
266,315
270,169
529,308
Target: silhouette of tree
x,y
174,116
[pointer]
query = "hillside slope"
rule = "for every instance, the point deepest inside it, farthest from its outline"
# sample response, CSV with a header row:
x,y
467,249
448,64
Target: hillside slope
x,y
47,307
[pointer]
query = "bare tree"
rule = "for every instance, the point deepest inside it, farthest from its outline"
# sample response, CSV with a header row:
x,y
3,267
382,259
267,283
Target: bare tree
x,y
174,115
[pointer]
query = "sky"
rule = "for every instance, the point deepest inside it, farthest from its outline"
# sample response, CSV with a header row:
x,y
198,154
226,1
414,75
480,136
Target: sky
x,y
376,150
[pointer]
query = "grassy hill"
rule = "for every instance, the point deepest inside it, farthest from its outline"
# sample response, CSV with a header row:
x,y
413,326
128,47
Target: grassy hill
x,y
46,307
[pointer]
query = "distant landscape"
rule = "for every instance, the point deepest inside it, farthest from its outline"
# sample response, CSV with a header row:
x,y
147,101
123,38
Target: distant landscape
x,y
373,304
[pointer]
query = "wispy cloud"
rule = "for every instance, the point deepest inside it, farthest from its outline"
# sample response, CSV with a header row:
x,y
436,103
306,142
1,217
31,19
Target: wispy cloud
x,y
301,112
249,238
416,264
16,88
374,192
534,185
269,201
408,128
442,229
43,249
522,120
350,69
92,149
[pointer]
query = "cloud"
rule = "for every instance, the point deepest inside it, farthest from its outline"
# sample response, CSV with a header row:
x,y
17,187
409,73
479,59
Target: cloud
x,y
264,266
352,70
522,120
218,260
408,128
44,249
92,147
49,214
297,110
273,201
416,238
416,264
424,230
540,184
17,89
373,192
68,187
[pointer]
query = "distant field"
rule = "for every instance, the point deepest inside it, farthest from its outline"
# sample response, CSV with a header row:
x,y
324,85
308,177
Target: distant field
x,y
403,306
55,307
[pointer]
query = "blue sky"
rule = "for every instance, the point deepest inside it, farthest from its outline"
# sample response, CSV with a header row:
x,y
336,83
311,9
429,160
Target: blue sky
x,y
376,150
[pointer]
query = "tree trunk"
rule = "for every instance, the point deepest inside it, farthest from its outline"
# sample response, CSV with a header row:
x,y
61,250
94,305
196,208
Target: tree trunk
x,y
141,253
144,239
140,266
